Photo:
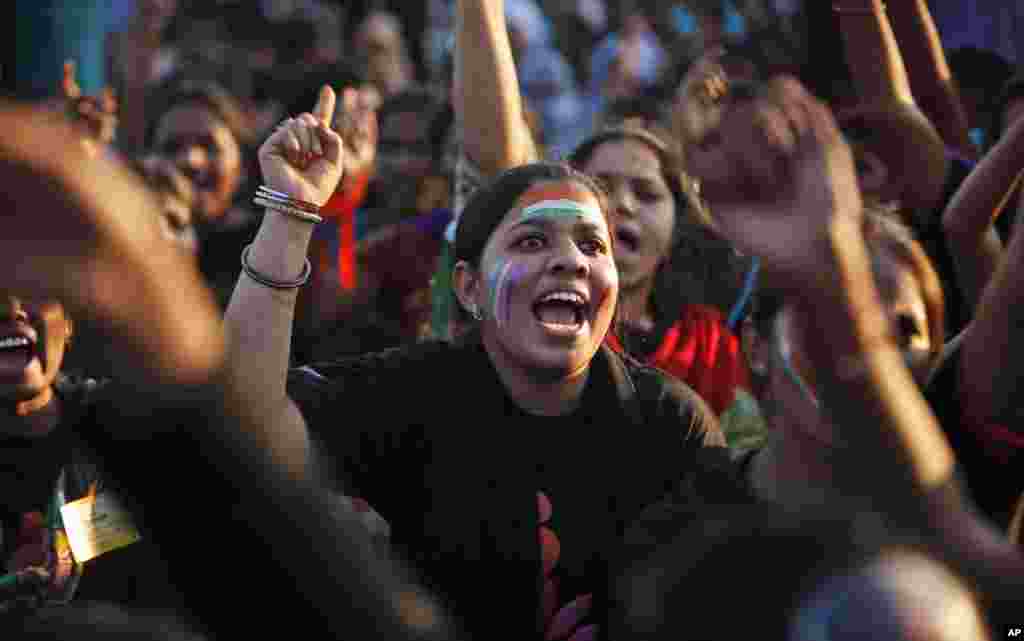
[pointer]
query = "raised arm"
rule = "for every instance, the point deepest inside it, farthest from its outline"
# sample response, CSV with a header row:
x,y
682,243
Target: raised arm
x,y
303,159
872,53
488,103
931,81
81,230
990,369
967,221
914,150
791,197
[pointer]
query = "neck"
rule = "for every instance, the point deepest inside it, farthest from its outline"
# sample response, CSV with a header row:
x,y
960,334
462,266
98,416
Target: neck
x,y
792,470
553,395
635,307
37,416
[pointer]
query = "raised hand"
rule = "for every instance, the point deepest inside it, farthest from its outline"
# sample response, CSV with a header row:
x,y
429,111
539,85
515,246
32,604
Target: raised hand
x,y
356,123
788,184
305,157
83,231
95,116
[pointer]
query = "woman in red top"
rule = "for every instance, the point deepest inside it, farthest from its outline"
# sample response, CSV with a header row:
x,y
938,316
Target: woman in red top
x,y
674,273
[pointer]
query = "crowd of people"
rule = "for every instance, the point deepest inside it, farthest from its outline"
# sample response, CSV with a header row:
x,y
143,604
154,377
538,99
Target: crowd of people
x,y
562,320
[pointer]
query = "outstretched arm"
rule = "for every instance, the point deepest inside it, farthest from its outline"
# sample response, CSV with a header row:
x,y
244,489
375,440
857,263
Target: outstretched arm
x,y
931,81
913,149
791,197
303,158
488,103
981,198
990,369
81,230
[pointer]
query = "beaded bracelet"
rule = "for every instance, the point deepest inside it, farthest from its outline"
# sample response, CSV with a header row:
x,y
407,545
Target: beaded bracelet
x,y
270,282
294,212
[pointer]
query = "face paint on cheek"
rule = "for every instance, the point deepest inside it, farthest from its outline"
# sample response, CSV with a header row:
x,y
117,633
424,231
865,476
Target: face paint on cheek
x,y
494,281
507,281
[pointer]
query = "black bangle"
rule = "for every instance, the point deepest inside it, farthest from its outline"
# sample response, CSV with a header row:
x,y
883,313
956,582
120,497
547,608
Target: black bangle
x,y
270,282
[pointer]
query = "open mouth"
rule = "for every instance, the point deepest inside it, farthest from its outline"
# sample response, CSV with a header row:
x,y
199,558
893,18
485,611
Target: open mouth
x,y
627,239
16,352
562,312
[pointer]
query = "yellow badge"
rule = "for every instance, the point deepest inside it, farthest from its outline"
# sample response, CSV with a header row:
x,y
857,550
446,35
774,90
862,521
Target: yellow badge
x,y
97,524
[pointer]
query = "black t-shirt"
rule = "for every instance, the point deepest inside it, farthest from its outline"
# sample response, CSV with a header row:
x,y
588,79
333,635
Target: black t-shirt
x,y
34,470
428,437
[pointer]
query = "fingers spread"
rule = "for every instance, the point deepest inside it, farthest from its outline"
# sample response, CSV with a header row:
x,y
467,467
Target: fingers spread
x,y
324,109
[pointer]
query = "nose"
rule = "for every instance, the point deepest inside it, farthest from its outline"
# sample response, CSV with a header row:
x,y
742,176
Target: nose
x,y
568,259
11,309
623,201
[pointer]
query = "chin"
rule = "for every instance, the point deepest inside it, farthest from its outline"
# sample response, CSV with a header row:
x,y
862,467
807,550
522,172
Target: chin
x,y
553,363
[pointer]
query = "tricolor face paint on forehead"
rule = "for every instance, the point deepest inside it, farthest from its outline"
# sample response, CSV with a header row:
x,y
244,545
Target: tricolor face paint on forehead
x,y
563,209
560,201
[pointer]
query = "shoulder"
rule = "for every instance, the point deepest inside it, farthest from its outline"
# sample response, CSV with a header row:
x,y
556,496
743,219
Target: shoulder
x,y
666,399
406,363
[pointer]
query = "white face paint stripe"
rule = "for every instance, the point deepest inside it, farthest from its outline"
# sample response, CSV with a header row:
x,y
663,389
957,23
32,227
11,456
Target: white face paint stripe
x,y
564,208
499,296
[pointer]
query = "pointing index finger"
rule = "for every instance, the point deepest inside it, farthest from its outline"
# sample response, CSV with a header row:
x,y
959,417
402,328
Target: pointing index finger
x,y
324,110
69,85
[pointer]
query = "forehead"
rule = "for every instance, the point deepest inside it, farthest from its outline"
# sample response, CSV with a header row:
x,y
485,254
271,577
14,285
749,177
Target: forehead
x,y
553,201
629,158
191,119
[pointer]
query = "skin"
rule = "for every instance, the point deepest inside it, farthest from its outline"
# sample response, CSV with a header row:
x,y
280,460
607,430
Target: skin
x,y
804,437
26,388
545,370
204,149
643,209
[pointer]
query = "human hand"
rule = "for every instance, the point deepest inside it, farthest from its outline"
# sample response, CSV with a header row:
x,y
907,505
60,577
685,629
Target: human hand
x,y
356,123
304,157
695,110
787,184
94,116
81,230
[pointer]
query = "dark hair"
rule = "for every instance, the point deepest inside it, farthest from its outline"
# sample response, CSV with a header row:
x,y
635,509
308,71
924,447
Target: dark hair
x,y
701,267
181,91
488,206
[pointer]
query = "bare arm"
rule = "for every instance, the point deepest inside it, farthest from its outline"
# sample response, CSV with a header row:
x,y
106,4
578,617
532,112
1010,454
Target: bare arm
x,y
913,149
488,103
931,81
259,319
968,218
872,53
990,369
807,229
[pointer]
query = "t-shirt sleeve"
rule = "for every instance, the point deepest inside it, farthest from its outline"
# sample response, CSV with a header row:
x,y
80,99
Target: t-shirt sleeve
x,y
362,443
